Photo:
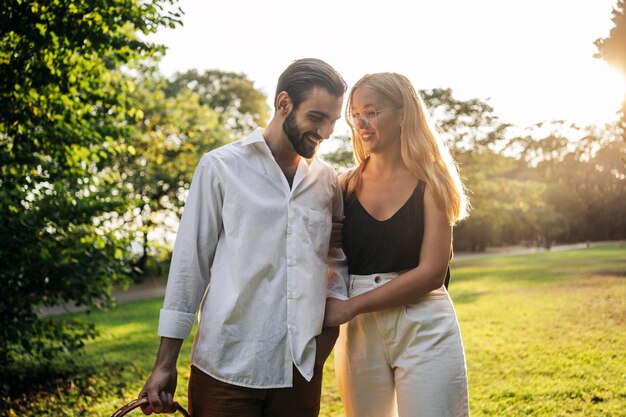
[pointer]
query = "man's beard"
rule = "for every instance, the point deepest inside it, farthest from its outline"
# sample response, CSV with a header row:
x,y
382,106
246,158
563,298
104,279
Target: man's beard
x,y
301,142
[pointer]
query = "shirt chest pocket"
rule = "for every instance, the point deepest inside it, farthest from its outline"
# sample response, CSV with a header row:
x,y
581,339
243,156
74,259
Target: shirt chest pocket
x,y
318,225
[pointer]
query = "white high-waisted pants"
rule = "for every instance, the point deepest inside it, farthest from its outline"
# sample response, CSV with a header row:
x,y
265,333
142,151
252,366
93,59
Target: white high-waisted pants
x,y
406,361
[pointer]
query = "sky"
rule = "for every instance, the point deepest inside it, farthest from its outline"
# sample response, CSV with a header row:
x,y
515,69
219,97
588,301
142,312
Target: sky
x,y
531,60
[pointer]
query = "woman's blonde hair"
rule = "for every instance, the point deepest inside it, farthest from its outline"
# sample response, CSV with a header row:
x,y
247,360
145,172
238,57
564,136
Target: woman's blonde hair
x,y
423,152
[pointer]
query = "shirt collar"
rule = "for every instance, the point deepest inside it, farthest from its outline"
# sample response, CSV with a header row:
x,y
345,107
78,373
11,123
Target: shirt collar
x,y
254,137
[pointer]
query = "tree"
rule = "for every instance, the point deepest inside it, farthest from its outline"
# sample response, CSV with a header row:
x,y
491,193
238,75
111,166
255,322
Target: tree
x,y
172,131
341,156
239,105
584,179
64,99
612,49
503,200
464,124
606,193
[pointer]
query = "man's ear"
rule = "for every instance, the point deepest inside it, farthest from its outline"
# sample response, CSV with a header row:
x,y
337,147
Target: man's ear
x,y
283,103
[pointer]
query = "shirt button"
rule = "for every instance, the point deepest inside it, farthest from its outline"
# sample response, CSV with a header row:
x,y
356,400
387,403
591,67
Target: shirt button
x,y
289,230
291,261
377,279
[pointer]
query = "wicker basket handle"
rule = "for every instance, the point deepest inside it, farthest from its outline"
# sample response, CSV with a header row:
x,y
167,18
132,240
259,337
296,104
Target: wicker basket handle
x,y
139,402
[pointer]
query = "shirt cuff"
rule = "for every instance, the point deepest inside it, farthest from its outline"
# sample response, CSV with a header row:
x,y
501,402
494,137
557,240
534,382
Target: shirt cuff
x,y
175,324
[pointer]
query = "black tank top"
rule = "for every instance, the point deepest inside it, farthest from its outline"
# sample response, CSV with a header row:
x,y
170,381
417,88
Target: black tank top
x,y
374,246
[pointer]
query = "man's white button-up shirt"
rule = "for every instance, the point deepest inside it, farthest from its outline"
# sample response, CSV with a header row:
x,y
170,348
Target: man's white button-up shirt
x,y
254,251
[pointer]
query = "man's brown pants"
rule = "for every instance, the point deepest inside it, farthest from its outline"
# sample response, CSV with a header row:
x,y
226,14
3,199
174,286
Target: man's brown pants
x,y
209,397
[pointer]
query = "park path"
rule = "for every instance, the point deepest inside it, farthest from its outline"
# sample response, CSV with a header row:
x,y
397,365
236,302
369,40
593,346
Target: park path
x,y
152,287
523,250
155,287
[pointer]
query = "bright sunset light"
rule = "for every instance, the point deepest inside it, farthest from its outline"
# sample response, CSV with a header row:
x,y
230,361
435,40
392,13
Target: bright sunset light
x,y
533,60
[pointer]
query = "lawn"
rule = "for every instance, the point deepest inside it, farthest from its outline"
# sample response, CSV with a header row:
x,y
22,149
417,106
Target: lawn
x,y
544,335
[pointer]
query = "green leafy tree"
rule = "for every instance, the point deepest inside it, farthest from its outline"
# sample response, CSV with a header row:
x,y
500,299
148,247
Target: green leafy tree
x,y
64,100
172,131
612,49
502,199
239,105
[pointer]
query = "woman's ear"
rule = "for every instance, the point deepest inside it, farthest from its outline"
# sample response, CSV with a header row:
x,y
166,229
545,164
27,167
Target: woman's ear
x,y
283,103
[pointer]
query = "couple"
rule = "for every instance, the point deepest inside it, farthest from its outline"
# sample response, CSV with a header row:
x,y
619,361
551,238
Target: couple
x,y
253,251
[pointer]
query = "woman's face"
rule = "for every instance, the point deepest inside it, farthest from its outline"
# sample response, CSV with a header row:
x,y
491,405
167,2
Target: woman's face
x,y
376,121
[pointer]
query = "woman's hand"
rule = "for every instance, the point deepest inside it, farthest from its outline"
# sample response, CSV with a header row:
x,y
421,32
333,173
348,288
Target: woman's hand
x,y
336,233
337,312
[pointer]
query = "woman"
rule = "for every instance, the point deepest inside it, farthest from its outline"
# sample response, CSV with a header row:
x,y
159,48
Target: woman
x,y
400,352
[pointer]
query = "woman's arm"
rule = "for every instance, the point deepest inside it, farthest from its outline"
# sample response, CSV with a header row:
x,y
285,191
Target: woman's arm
x,y
409,286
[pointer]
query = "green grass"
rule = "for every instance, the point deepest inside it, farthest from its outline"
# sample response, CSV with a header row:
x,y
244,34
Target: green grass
x,y
544,335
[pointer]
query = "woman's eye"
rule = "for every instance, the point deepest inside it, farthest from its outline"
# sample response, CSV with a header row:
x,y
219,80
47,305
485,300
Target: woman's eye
x,y
369,113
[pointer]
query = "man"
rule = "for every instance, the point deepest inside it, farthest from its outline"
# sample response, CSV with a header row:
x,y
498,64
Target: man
x,y
252,250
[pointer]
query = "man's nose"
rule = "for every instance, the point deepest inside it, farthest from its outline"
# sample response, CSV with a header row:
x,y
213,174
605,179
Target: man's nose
x,y
325,131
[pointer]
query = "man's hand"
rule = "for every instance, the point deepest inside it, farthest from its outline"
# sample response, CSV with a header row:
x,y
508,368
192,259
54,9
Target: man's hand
x,y
161,385
160,389
324,344
336,233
